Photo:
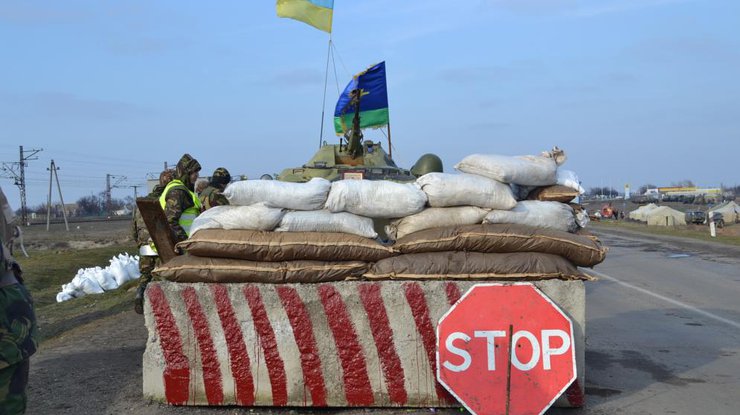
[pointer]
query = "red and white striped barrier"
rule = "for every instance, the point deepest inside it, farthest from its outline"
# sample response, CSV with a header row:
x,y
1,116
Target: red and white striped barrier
x,y
332,344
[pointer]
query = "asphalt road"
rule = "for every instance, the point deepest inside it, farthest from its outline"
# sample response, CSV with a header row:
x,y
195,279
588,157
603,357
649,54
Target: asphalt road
x,y
663,328
663,336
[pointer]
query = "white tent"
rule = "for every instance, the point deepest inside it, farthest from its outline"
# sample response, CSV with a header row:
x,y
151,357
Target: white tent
x,y
665,216
641,212
730,212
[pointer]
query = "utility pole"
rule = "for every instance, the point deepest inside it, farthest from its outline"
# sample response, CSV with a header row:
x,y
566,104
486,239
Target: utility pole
x,y
108,187
53,172
20,177
135,194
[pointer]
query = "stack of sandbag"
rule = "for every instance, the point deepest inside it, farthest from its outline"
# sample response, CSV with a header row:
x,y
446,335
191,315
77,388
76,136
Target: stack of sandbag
x,y
97,280
218,255
277,232
454,199
490,251
504,217
542,189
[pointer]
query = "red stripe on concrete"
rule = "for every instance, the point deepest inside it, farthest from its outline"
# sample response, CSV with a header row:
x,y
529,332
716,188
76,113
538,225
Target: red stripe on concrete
x,y
383,336
240,365
574,394
303,333
275,365
418,303
177,369
453,292
357,387
209,360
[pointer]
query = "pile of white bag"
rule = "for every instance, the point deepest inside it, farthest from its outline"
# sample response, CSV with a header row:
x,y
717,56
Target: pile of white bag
x,y
347,206
490,189
122,268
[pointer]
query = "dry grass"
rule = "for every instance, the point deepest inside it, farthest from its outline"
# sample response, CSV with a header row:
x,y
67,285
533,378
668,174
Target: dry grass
x,y
54,258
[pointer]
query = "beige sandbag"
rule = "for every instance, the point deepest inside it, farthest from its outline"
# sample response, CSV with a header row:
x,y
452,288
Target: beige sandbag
x,y
445,190
556,193
523,170
284,246
552,215
189,268
476,266
435,218
581,250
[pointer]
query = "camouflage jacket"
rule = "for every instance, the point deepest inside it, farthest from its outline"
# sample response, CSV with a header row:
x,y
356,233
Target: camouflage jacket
x,y
212,196
140,232
18,330
176,201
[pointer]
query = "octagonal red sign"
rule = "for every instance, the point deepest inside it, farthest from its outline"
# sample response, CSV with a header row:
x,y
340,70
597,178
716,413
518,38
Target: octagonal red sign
x,y
505,349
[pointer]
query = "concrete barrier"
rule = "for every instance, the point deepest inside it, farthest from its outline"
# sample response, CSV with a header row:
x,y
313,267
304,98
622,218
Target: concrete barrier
x,y
331,344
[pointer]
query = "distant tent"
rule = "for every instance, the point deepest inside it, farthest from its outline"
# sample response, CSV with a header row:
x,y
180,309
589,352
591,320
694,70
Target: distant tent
x,y
665,216
730,212
640,213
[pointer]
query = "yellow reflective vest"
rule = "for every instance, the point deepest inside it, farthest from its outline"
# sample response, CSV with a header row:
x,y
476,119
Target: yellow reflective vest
x,y
189,214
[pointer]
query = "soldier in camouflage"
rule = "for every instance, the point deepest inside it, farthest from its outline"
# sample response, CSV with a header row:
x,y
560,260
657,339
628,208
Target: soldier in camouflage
x,y
148,258
213,194
178,200
18,330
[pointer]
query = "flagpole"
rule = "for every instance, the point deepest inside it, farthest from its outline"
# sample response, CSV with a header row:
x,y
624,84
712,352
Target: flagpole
x,y
326,80
390,148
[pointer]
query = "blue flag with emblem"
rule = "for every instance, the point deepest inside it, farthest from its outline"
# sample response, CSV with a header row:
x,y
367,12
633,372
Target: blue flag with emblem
x,y
373,100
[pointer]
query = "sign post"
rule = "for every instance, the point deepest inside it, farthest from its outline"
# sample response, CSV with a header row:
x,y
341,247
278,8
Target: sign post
x,y
505,349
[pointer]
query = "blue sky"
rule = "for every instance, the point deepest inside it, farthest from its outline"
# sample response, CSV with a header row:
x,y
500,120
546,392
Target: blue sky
x,y
635,91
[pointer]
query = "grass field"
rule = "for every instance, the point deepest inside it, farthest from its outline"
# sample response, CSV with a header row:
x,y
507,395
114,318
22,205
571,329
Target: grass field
x,y
54,258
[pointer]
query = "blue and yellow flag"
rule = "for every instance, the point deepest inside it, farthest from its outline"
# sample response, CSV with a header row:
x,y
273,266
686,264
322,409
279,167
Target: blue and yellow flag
x,y
317,13
373,100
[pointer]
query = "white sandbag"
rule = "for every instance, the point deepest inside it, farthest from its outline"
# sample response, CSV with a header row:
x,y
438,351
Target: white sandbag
x,y
118,272
96,280
255,217
63,296
582,218
570,179
276,194
554,215
445,190
89,285
523,170
106,278
325,221
376,198
435,218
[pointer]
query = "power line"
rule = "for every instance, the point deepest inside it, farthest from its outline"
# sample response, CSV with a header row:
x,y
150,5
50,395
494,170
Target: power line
x,y
17,171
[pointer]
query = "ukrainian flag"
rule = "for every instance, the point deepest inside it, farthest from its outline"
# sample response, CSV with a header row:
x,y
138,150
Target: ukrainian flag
x,y
317,13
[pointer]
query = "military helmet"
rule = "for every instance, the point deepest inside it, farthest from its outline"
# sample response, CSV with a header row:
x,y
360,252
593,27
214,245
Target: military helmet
x,y
428,163
221,177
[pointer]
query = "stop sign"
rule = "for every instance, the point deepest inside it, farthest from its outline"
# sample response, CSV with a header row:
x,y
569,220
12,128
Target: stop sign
x,y
505,349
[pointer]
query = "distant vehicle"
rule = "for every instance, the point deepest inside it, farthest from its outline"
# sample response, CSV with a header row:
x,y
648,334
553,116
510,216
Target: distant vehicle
x,y
696,216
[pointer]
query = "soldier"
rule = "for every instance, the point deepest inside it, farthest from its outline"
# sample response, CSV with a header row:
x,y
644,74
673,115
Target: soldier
x,y
213,194
18,330
181,205
148,257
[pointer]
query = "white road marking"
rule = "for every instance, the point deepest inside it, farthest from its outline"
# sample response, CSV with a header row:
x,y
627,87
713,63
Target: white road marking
x,y
666,299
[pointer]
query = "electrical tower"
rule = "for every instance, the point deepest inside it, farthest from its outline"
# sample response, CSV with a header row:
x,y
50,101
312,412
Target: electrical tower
x,y
17,171
109,187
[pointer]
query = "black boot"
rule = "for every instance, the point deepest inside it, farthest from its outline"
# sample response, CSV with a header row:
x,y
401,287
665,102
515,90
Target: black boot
x,y
139,299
